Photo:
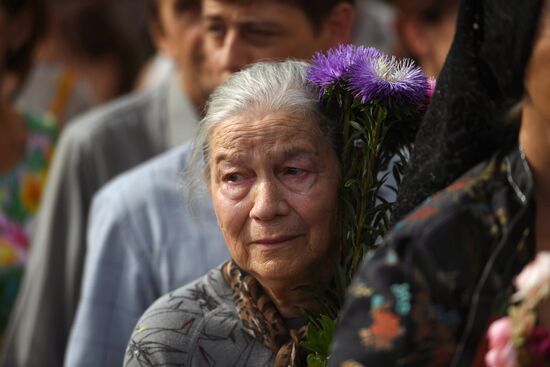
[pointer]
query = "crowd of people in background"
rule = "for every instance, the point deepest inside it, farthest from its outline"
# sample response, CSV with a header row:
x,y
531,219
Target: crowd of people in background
x,y
100,106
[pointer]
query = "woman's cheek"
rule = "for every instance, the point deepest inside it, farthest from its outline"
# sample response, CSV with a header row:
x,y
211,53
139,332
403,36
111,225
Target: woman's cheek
x,y
232,208
234,228
235,191
301,183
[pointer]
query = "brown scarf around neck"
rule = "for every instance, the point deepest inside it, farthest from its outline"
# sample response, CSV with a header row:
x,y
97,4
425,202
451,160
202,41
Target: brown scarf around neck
x,y
259,314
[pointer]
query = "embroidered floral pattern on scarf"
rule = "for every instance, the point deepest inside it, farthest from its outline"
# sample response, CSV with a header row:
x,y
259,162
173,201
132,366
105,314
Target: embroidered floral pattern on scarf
x,y
422,298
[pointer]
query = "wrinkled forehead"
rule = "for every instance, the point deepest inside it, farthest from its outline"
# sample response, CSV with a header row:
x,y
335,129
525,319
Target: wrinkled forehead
x,y
273,125
266,132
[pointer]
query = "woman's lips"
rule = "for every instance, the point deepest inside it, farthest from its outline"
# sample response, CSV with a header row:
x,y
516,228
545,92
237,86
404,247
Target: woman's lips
x,y
274,241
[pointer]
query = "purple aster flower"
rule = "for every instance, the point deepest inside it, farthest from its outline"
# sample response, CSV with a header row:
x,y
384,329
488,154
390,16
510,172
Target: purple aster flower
x,y
393,82
333,67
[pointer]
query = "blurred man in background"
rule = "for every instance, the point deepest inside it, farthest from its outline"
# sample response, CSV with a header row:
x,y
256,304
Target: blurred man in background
x,y
93,149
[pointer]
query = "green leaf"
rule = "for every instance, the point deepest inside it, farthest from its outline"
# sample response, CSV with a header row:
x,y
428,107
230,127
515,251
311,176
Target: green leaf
x,y
357,126
314,360
317,340
365,217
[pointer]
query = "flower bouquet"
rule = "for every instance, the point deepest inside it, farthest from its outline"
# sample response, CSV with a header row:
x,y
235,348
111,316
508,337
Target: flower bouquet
x,y
516,340
379,101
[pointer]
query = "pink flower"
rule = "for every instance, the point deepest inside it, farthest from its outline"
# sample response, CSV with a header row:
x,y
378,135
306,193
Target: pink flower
x,y
500,332
13,233
533,283
501,350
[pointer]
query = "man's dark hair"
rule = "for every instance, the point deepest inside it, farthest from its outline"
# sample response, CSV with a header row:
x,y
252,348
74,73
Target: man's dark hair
x,y
18,60
181,6
315,10
430,11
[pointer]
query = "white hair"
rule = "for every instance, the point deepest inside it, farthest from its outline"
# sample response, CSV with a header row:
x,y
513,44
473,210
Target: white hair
x,y
263,87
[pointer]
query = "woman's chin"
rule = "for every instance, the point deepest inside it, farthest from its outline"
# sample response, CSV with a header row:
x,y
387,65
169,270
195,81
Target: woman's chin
x,y
275,268
290,271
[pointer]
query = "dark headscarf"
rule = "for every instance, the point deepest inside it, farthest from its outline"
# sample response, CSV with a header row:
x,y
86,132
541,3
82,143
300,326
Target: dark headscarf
x,y
481,81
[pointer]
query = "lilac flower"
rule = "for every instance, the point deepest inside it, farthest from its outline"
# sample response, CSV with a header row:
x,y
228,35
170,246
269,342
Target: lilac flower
x,y
393,82
329,69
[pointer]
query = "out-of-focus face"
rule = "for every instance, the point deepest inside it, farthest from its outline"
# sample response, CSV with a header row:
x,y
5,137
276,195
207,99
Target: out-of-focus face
x,y
274,184
428,40
442,37
181,37
240,34
537,81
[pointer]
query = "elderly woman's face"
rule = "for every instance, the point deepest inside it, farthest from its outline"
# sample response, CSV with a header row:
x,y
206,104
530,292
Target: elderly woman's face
x,y
274,184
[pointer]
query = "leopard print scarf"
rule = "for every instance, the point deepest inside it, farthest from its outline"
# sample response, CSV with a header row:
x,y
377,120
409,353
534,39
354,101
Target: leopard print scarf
x,y
259,314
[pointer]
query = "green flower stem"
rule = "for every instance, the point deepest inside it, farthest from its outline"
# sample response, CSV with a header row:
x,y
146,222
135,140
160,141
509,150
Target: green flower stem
x,y
368,181
346,106
372,132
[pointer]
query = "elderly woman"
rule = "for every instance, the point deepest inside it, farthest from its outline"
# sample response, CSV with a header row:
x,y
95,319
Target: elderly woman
x,y
272,172
428,296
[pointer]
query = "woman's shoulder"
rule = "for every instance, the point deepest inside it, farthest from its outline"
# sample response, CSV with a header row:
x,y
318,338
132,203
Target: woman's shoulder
x,y
195,322
196,300
450,237
429,269
478,199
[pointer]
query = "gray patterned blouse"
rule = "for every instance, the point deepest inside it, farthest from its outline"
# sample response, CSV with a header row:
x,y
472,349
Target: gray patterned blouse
x,y
196,325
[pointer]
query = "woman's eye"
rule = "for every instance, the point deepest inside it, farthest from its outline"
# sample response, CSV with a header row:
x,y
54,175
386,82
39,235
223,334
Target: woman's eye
x,y
216,31
297,179
293,171
232,177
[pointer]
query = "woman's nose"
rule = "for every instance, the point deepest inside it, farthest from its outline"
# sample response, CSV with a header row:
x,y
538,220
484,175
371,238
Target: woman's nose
x,y
269,201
